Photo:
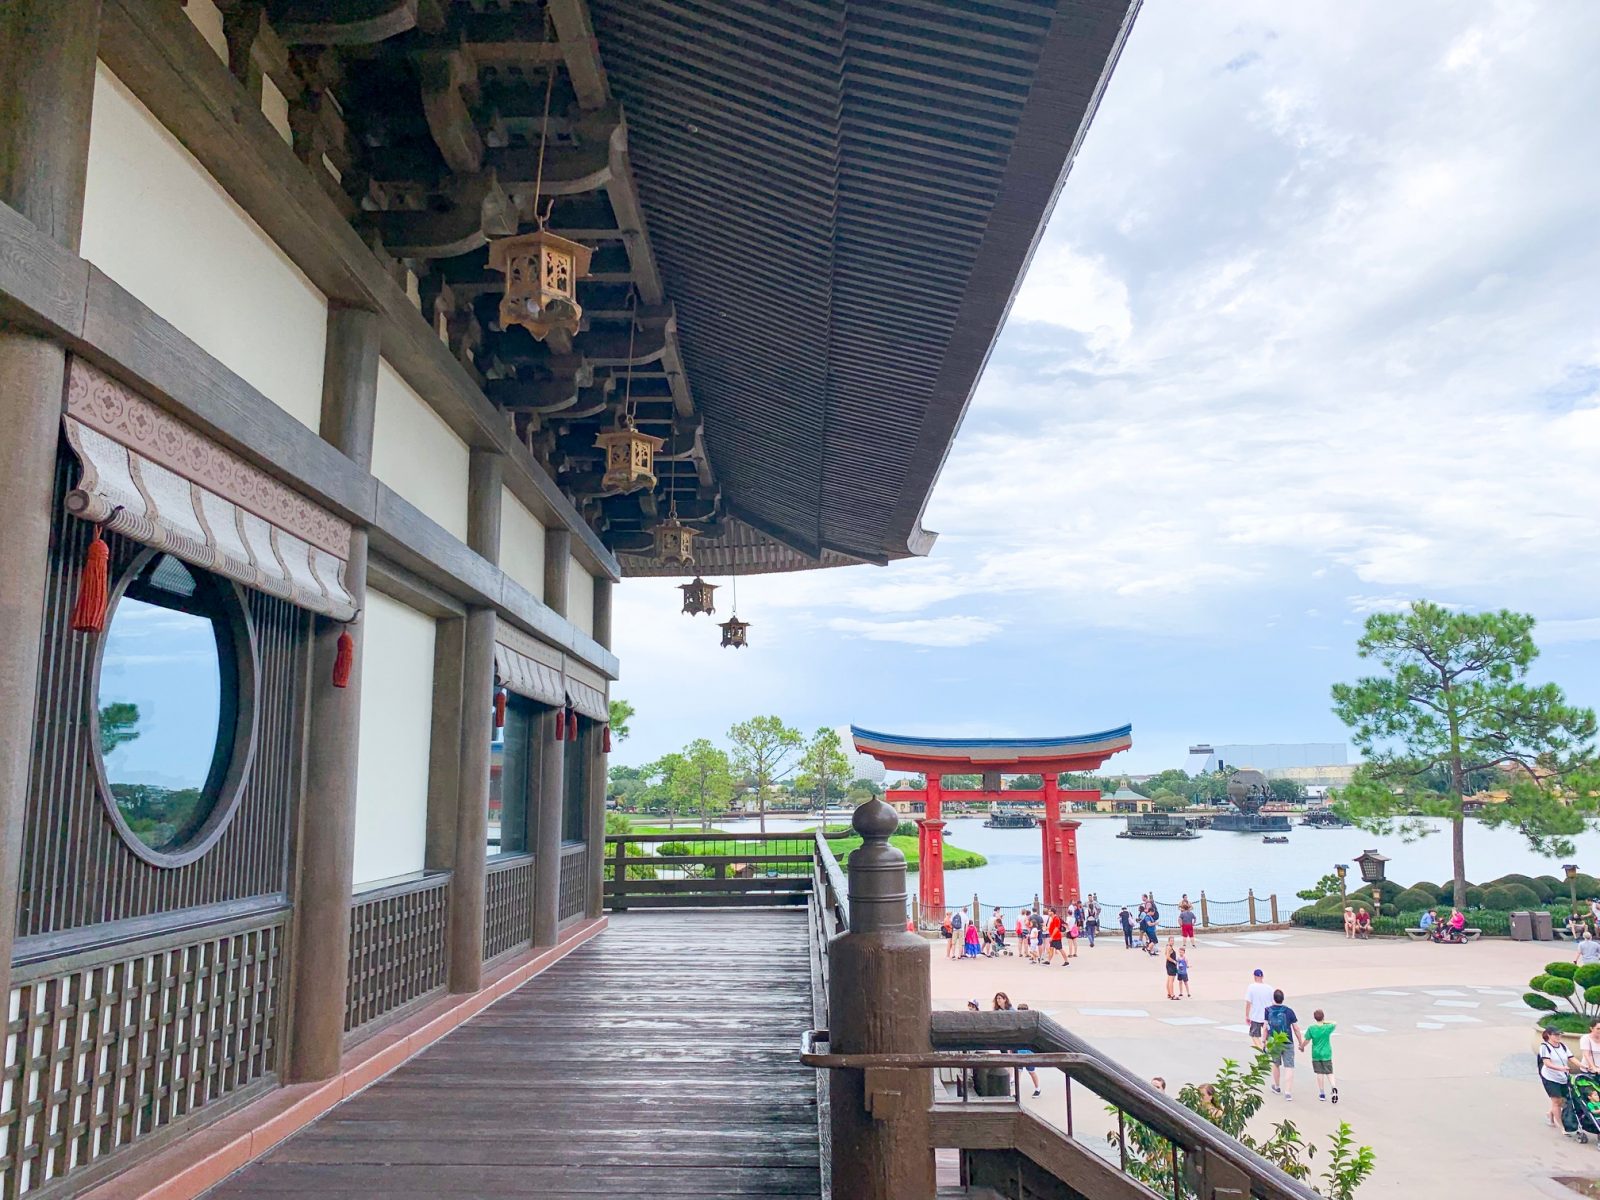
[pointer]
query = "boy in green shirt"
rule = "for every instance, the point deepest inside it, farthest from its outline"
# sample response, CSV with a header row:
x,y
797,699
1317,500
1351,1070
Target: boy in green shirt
x,y
1319,1036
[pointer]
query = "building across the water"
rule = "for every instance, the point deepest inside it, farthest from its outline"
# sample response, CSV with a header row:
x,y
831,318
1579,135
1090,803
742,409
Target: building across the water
x,y
1204,758
353,352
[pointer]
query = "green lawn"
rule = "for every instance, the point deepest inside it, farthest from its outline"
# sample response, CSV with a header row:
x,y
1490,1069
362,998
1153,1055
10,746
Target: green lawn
x,y
955,858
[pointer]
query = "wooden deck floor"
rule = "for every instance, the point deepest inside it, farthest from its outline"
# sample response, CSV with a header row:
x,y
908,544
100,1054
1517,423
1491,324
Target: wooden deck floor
x,y
658,1059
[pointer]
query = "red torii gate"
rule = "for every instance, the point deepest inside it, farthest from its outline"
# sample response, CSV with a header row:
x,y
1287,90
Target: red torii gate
x,y
934,758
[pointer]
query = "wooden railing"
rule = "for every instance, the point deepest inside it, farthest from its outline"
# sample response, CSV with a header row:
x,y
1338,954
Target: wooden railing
x,y
128,1043
708,870
1122,1138
397,948
573,888
508,904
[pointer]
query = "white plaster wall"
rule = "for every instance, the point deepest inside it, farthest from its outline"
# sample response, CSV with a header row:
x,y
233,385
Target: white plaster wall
x,y
417,454
521,544
158,224
396,724
580,598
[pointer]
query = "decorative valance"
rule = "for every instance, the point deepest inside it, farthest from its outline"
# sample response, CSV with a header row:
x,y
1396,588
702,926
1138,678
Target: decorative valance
x,y
586,691
150,477
527,666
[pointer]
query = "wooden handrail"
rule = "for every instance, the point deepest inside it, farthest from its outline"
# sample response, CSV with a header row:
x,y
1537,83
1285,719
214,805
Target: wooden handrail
x,y
1110,1080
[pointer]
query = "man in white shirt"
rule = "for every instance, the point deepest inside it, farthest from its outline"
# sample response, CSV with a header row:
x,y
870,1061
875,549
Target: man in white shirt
x,y
1256,998
1589,1048
1588,949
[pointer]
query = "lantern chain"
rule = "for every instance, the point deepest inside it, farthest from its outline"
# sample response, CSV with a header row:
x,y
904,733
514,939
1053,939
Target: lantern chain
x,y
542,217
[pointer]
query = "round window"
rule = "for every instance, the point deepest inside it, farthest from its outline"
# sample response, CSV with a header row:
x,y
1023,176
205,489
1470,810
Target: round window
x,y
170,726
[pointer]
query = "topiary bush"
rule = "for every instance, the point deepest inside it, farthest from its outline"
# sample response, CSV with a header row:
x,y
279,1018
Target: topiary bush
x,y
1431,888
1414,898
1474,897
1567,994
1527,881
1586,886
1510,897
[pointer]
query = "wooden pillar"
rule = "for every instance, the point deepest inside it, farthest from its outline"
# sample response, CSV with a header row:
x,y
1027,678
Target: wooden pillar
x,y
1067,862
599,770
557,569
602,610
47,56
930,851
472,807
552,763
547,833
484,472
328,813
1048,835
880,998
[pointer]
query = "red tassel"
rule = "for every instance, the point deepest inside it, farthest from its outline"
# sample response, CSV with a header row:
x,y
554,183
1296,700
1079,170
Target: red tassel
x,y
605,739
572,726
344,659
561,724
89,611
500,708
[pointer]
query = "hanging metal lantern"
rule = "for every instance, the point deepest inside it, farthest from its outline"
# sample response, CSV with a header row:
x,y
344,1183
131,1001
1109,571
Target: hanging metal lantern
x,y
697,597
630,458
674,540
734,633
542,270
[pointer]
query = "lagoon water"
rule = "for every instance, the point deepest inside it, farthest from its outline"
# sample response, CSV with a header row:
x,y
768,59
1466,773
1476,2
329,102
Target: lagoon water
x,y
1225,865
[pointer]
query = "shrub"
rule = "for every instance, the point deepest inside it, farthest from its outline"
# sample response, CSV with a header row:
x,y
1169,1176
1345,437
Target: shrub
x,y
1414,898
1587,886
1565,1022
1586,976
1558,887
1554,985
1565,970
1591,996
1431,888
674,849
1474,897
1535,1000
1509,897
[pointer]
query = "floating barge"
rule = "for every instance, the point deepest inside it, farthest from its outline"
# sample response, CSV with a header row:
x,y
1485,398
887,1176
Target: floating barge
x,y
1159,826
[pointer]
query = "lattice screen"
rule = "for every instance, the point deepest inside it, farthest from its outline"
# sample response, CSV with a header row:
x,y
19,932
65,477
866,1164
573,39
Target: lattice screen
x,y
508,907
397,948
103,1055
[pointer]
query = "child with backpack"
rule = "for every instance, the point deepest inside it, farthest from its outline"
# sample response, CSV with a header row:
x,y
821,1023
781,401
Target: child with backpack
x,y
1281,1020
1319,1036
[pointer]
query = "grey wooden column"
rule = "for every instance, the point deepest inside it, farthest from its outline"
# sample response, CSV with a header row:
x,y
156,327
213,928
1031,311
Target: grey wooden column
x,y
467,896
472,809
47,56
599,768
881,1002
552,764
328,812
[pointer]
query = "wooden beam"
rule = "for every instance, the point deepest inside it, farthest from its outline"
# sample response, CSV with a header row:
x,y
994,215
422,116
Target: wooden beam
x,y
467,898
159,54
355,22
576,35
447,77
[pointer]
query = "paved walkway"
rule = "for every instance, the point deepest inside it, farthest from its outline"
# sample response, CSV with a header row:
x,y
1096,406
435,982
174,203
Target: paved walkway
x,y
659,1059
1434,1050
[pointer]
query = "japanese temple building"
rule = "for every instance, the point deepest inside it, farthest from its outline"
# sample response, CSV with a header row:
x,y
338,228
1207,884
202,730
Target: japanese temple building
x,y
351,353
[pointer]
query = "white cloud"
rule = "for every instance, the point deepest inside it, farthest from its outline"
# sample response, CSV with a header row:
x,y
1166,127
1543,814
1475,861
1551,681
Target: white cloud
x,y
933,631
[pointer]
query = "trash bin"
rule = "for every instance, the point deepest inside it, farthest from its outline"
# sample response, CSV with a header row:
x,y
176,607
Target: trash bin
x,y
1522,927
1541,927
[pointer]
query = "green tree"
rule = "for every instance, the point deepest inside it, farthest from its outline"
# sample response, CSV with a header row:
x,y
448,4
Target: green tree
x,y
668,788
119,725
1453,696
1025,783
960,783
764,749
1287,791
706,776
626,785
1171,780
620,712
823,768
862,790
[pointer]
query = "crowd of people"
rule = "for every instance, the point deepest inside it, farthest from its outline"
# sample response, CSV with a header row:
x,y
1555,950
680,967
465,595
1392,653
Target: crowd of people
x,y
1042,933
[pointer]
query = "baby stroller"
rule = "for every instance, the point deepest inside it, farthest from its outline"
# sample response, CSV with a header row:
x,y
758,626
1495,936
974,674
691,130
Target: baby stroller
x,y
1581,1116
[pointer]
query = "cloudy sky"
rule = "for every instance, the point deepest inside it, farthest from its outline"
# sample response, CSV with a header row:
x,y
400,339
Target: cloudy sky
x,y
1314,330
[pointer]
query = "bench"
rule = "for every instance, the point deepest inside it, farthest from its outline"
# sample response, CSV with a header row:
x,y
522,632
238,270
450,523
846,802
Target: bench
x,y
1563,934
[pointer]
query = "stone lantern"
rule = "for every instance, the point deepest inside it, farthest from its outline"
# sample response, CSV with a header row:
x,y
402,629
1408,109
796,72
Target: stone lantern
x,y
630,458
542,270
734,633
1371,864
674,541
697,596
